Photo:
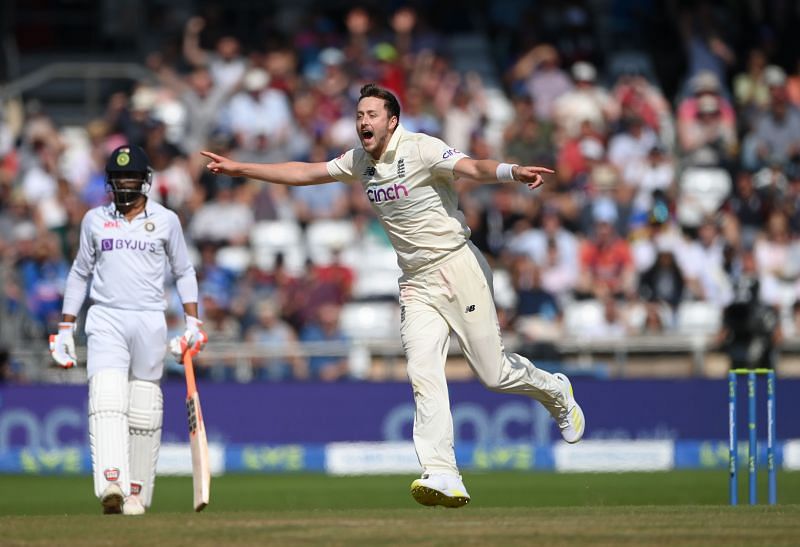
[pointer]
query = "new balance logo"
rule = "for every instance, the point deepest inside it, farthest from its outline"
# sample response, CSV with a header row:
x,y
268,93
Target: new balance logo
x,y
369,171
470,308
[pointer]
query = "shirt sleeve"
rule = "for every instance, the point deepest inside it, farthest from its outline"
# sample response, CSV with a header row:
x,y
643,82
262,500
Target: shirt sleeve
x,y
182,269
81,270
341,168
439,157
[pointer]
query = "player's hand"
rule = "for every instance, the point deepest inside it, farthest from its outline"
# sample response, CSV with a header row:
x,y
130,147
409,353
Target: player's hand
x,y
221,164
531,175
193,339
62,345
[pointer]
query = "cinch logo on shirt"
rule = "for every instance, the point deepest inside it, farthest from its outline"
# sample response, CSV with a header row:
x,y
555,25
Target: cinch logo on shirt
x,y
127,244
449,153
387,192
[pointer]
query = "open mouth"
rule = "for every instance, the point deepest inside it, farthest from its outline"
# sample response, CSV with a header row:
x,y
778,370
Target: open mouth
x,y
366,136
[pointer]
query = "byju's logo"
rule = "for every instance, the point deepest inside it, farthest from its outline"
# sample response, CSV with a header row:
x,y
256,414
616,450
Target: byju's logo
x,y
387,192
127,244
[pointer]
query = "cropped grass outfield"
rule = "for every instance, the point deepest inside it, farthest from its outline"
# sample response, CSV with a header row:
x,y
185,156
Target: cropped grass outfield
x,y
676,508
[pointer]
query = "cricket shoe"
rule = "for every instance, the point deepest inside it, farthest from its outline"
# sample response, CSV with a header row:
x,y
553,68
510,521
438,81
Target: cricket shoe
x,y
440,489
570,417
133,506
111,499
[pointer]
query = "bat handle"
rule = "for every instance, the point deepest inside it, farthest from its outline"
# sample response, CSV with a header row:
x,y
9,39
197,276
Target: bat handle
x,y
188,367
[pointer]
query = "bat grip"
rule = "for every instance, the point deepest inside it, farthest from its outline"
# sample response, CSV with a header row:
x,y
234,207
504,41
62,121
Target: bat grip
x,y
188,367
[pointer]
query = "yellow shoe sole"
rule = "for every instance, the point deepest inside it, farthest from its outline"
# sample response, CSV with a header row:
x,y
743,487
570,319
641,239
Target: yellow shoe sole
x,y
430,497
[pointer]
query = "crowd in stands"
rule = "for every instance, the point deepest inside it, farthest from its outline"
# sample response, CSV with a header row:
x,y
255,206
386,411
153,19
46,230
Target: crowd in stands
x,y
656,208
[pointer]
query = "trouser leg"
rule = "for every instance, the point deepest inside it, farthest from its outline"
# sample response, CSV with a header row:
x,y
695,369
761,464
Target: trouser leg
x,y
426,337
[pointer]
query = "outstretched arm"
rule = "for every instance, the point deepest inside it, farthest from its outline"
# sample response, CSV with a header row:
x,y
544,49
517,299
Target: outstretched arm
x,y
293,173
487,171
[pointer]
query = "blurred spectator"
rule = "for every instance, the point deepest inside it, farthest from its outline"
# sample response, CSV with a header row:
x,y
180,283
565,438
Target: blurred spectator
x,y
706,48
226,220
260,117
747,207
553,248
526,140
751,330
777,259
703,264
638,97
750,89
706,84
418,116
586,102
654,175
537,313
606,264
538,73
776,133
629,149
42,271
321,201
465,114
706,140
202,100
663,282
576,159
274,335
325,328
225,62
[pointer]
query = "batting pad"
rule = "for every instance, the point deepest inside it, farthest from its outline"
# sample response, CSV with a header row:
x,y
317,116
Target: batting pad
x,y
145,416
108,429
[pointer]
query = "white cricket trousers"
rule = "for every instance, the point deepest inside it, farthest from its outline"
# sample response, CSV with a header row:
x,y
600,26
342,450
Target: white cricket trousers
x,y
134,341
457,296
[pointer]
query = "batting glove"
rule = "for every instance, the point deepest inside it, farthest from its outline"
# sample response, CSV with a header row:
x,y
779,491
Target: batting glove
x,y
193,339
62,345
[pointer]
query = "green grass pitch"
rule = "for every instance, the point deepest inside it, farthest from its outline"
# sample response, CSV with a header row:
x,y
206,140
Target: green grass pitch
x,y
676,508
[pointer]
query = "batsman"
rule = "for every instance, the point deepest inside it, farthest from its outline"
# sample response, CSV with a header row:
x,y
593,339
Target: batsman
x,y
125,248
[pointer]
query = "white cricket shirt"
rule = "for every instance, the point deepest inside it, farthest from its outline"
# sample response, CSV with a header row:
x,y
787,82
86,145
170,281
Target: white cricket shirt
x,y
411,189
127,261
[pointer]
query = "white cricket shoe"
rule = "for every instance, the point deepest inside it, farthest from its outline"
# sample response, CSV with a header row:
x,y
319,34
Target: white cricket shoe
x,y
570,417
440,489
133,506
111,499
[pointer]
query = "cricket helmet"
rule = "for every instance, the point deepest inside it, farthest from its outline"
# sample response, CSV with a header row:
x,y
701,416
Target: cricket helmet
x,y
125,165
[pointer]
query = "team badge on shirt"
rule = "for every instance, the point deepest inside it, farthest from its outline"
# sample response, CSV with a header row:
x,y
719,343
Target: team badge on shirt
x,y
149,226
401,168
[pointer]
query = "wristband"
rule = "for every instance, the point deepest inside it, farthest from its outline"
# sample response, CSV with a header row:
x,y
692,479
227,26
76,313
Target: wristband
x,y
505,172
66,325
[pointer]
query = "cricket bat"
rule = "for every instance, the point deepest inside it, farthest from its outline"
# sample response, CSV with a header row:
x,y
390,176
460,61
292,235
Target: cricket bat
x,y
201,466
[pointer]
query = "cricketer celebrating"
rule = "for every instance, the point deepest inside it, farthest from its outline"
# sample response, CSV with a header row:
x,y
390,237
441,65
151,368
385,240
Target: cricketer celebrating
x,y
446,283
125,248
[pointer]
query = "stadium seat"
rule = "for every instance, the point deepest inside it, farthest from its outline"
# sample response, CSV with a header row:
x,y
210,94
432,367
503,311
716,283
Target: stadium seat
x,y
698,317
235,259
583,316
270,238
702,191
376,283
324,236
504,294
371,320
